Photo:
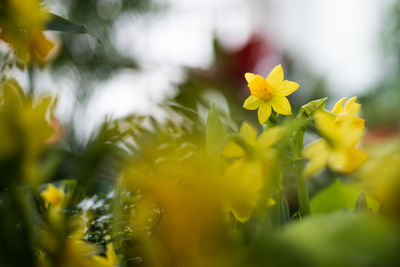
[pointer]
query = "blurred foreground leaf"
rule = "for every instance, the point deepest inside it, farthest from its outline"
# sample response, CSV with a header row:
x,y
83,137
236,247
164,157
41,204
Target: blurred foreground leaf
x,y
345,239
339,197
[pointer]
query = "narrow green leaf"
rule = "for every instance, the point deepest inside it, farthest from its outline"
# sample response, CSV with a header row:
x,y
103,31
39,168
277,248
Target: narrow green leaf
x,y
329,200
58,23
215,135
279,213
361,203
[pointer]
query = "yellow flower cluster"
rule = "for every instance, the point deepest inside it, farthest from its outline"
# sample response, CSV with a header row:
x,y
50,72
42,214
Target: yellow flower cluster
x,y
341,130
187,196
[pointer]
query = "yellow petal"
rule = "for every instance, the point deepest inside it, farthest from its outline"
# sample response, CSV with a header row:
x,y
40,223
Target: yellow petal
x,y
286,88
246,181
350,102
53,196
350,135
359,123
41,47
355,158
281,105
346,160
337,108
242,210
270,137
337,160
111,256
351,107
252,103
249,76
271,202
248,133
264,112
232,150
326,125
275,77
317,153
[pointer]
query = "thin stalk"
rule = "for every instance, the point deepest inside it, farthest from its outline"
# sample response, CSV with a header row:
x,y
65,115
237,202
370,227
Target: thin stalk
x,y
31,77
302,189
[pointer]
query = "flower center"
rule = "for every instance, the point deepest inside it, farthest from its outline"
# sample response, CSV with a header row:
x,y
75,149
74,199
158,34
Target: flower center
x,y
260,88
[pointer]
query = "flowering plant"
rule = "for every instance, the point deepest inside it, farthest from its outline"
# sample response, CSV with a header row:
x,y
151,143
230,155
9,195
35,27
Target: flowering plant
x,y
190,191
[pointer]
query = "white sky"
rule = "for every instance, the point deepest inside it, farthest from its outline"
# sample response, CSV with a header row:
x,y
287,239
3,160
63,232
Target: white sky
x,y
337,39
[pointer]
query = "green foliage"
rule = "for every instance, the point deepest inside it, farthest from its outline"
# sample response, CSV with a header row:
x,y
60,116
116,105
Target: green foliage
x,y
216,134
343,239
340,196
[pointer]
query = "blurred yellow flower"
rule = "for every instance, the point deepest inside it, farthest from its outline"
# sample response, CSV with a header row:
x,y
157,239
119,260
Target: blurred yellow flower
x,y
111,259
246,177
269,92
76,251
337,147
22,28
350,109
53,197
244,180
380,175
24,118
189,220
259,144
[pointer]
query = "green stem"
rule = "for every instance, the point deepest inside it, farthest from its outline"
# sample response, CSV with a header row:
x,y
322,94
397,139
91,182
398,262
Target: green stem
x,y
23,218
31,77
271,122
302,189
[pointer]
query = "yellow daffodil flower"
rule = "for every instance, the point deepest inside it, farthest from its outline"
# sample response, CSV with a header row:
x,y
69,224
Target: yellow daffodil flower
x,y
269,92
337,148
350,109
260,144
53,196
245,177
244,181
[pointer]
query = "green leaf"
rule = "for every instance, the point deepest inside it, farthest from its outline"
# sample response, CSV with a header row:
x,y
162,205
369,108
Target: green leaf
x,y
329,200
362,203
215,135
58,23
308,109
345,239
279,213
340,197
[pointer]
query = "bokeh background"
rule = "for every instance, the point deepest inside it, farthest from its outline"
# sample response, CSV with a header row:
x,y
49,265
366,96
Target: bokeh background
x,y
142,54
